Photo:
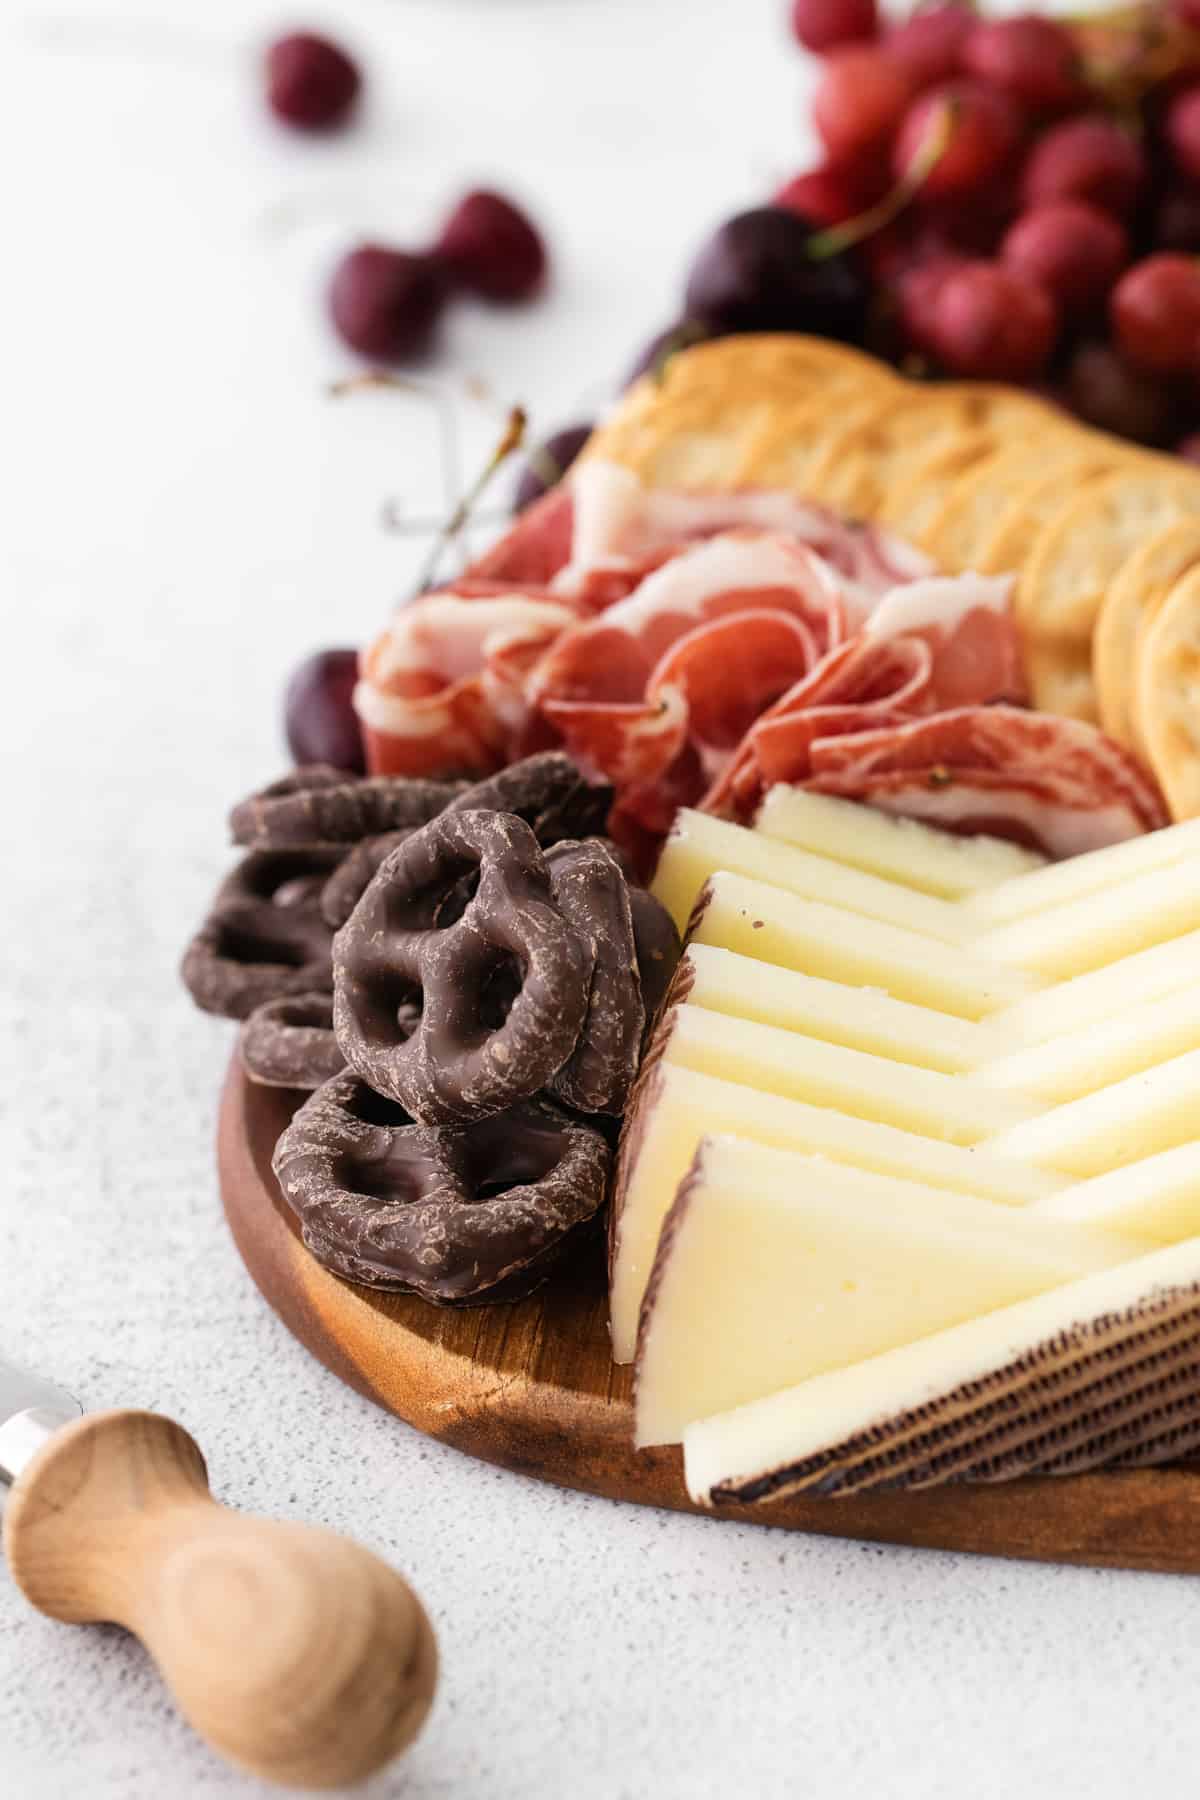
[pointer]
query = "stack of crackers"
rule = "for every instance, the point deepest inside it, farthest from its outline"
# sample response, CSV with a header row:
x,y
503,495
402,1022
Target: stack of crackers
x,y
1102,536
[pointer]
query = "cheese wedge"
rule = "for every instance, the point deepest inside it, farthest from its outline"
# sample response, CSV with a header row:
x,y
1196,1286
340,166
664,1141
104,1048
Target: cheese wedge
x,y
672,1108
1137,1117
1102,993
699,845
904,850
1097,929
772,1268
862,1018
1059,883
1101,1370
776,927
923,1101
1079,1062
1158,1197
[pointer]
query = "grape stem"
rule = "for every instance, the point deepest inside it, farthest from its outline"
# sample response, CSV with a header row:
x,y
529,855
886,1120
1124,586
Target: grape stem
x,y
511,439
824,244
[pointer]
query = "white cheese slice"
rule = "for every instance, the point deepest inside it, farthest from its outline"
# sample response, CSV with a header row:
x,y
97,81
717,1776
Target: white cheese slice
x,y
673,1108
776,927
1101,993
923,1101
1158,1197
699,845
863,1018
905,850
1104,1366
1121,1124
1097,929
1059,883
1079,1062
772,1268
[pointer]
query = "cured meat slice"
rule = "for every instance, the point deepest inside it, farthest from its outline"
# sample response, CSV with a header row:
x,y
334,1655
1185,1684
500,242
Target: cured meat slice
x,y
967,622
536,547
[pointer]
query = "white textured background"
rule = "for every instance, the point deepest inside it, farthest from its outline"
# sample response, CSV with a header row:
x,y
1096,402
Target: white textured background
x,y
183,514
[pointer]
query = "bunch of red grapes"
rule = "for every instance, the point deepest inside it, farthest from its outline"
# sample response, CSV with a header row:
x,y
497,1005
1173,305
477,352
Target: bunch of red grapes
x,y
1006,199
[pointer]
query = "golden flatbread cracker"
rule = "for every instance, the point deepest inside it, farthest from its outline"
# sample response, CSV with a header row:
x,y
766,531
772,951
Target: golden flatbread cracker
x,y
1168,696
975,506
1072,564
1141,587
912,503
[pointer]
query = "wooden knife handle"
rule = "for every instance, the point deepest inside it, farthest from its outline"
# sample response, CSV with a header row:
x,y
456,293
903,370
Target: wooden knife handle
x,y
295,1652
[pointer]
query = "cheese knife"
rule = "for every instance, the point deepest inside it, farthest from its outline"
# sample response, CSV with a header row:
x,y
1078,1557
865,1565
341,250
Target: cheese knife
x,y
294,1652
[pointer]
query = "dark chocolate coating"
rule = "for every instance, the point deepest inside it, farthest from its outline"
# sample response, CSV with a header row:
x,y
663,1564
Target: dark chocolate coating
x,y
659,948
459,1214
460,920
338,812
290,1043
592,893
264,937
548,792
354,874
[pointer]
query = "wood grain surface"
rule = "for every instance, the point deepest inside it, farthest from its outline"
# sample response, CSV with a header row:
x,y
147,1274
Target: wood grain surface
x,y
532,1387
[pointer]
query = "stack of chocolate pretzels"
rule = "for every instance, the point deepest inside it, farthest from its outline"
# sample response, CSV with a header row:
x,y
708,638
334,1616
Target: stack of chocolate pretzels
x,y
464,976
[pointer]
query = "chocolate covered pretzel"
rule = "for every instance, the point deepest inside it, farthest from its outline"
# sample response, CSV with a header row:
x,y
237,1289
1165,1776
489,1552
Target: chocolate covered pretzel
x,y
298,810
592,893
458,1214
290,1043
264,937
548,792
461,922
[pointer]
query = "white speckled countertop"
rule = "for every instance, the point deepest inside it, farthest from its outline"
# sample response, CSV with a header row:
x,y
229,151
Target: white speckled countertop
x,y
184,514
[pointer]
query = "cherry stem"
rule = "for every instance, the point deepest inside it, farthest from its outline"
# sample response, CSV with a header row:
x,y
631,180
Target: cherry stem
x,y
511,439
375,380
824,244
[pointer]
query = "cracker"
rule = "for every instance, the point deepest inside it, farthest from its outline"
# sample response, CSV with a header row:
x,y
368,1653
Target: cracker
x,y
1168,695
1133,601
972,511
914,501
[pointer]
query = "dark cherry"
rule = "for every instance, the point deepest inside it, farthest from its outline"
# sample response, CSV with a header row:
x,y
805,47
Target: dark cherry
x,y
319,717
491,248
311,83
758,273
679,336
386,303
545,467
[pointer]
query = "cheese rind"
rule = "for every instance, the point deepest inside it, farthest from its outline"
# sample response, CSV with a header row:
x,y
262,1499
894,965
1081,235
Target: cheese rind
x,y
905,850
700,844
1158,1197
1102,993
1058,884
1107,1364
776,927
1079,1062
772,1268
1116,1125
673,1108
951,1107
1097,929
862,1018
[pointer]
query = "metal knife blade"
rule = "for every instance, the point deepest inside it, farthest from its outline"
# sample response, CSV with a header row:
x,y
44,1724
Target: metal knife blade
x,y
31,1410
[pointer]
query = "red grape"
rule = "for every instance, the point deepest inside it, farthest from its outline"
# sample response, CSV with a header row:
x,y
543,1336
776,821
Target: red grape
x,y
547,465
1183,131
386,303
1177,221
1155,311
1189,447
1089,158
311,82
929,45
756,273
987,321
1030,58
824,24
981,130
1075,251
860,100
830,193
319,719
490,247
1105,391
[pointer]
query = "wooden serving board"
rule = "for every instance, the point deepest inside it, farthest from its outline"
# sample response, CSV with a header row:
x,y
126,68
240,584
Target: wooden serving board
x,y
531,1387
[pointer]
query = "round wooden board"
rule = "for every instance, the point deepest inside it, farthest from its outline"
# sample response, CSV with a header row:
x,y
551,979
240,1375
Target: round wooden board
x,y
532,1387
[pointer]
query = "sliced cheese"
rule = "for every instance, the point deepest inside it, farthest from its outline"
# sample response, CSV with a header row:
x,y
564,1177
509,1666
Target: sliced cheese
x,y
1137,1117
1095,1056
1103,1367
1102,993
863,1018
772,1268
776,927
1158,1197
699,845
1078,876
921,856
673,1108
1097,929
923,1101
